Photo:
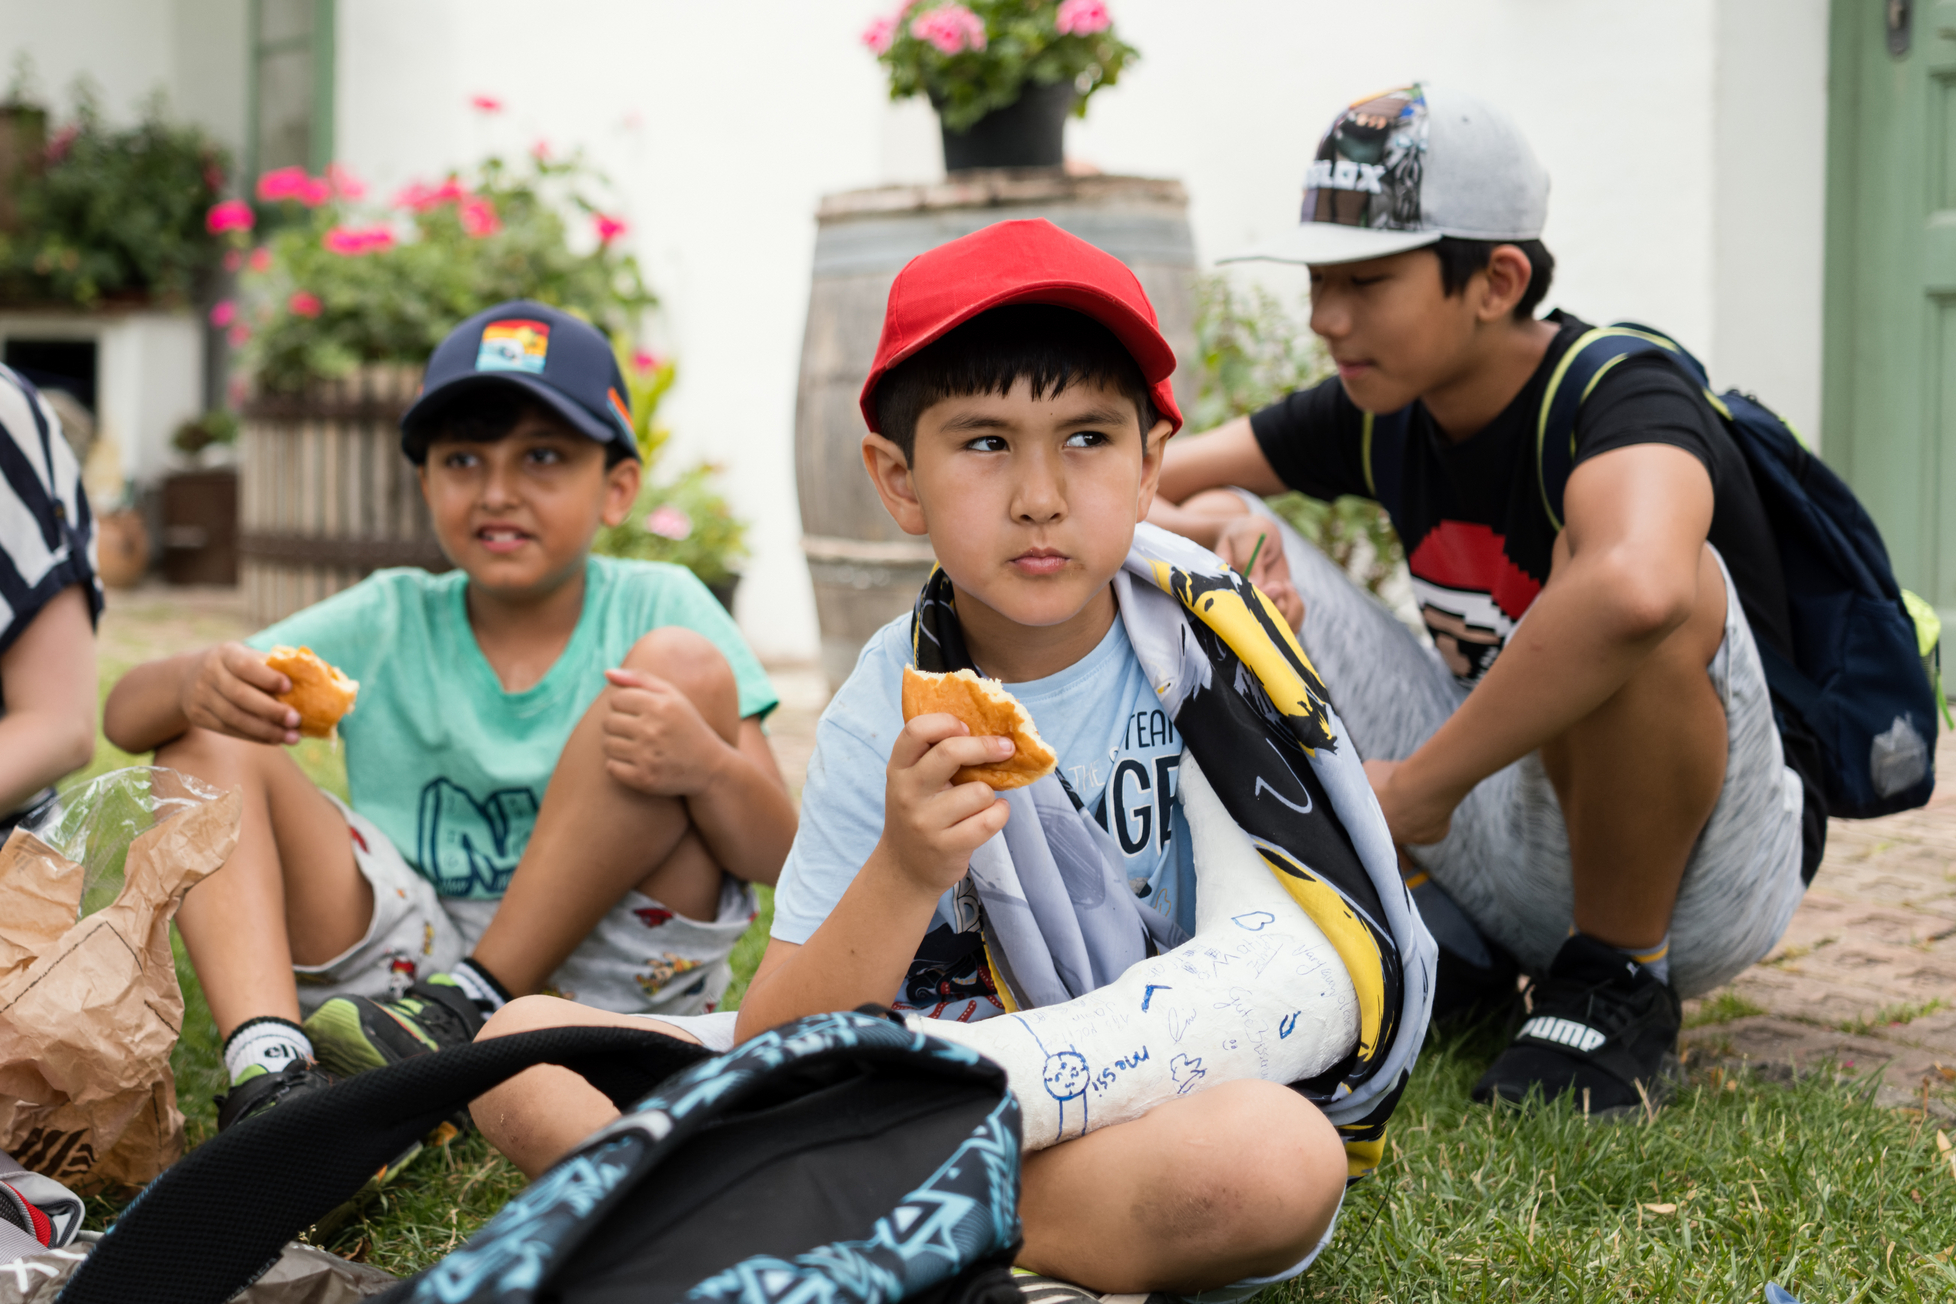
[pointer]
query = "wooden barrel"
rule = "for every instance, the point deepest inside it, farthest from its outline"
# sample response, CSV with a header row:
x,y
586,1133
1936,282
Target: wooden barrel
x,y
325,494
865,570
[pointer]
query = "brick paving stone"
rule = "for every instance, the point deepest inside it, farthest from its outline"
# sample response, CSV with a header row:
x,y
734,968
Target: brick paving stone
x,y
1865,975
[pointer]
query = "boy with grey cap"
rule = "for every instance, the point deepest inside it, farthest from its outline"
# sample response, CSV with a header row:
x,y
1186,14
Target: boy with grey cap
x,y
1600,791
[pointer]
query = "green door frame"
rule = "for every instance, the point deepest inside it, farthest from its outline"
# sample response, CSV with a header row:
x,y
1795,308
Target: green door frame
x,y
1888,410
322,41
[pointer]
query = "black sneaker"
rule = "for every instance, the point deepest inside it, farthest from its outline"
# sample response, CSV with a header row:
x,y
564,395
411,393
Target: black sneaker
x,y
352,1034
264,1089
1599,1024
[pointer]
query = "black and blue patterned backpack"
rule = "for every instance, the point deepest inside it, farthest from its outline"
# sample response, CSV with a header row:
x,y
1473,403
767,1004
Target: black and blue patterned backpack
x,y
839,1159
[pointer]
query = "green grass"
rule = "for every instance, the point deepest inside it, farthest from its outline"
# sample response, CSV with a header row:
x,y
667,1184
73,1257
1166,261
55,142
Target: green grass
x,y
1809,1184
1893,1016
1722,1006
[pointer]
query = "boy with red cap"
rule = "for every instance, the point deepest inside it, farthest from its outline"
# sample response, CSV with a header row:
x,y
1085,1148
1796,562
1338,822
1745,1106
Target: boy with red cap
x,y
1017,410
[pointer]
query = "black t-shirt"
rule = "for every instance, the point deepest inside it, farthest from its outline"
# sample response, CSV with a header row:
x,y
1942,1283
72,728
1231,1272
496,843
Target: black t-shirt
x,y
1478,538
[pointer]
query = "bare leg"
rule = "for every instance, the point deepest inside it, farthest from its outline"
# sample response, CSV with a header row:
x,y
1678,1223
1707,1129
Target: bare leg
x,y
541,1114
1237,1181
290,893
596,839
1638,778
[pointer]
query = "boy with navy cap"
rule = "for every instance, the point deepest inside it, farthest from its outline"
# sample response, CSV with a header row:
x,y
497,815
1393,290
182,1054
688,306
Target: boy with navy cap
x,y
557,771
1598,791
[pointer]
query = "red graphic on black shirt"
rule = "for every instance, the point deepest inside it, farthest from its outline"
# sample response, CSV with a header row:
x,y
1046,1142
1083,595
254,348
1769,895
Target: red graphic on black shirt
x,y
1471,594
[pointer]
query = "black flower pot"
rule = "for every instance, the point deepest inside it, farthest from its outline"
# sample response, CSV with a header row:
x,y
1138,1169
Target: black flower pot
x,y
1030,132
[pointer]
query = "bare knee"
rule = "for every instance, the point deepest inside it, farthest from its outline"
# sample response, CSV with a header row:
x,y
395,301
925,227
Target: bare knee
x,y
1269,1176
531,1014
212,755
691,663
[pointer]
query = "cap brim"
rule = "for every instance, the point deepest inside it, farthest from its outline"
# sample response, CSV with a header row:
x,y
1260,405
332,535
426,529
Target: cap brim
x,y
1323,243
418,422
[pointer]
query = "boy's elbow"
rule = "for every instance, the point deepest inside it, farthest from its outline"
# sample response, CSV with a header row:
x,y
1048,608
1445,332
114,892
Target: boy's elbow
x,y
81,744
1645,607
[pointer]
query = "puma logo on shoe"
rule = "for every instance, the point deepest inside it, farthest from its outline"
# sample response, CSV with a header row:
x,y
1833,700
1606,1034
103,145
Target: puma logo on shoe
x,y
1563,1032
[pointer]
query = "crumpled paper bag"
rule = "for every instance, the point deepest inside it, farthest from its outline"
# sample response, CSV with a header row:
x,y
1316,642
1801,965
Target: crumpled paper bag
x,y
89,1004
300,1275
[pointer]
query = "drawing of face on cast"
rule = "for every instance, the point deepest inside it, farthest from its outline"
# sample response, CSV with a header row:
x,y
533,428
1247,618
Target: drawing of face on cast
x,y
1258,992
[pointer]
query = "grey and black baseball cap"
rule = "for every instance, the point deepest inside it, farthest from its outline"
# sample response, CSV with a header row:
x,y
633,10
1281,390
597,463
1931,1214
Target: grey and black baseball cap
x,y
1401,169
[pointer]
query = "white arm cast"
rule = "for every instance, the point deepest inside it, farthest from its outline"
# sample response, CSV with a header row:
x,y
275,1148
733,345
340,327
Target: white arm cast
x,y
1258,992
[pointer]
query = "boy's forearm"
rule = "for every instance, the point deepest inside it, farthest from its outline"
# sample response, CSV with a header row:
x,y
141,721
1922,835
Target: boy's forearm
x,y
145,708
1575,649
860,953
37,748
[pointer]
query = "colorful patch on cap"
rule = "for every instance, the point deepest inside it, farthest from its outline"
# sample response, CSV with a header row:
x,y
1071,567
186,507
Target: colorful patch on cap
x,y
514,344
1369,165
618,409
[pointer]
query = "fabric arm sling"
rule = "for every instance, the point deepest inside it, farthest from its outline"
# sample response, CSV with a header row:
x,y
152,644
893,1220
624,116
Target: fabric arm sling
x,y
1274,802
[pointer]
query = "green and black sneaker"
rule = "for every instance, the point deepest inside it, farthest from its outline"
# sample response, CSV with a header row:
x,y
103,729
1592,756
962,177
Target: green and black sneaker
x,y
260,1089
352,1034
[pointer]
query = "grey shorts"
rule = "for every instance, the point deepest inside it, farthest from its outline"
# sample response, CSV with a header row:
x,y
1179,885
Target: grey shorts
x,y
1506,858
641,958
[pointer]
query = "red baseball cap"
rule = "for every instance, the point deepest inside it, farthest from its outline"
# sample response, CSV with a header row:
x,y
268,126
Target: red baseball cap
x,y
1020,262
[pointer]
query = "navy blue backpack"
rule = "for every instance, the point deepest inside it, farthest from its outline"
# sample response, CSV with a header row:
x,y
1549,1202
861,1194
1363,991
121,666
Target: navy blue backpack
x,y
838,1159
1857,703
1861,680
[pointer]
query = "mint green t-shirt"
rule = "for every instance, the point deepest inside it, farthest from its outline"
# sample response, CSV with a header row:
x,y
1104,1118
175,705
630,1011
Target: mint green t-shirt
x,y
438,755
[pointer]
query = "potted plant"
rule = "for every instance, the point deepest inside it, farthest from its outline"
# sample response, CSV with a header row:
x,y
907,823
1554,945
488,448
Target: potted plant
x,y
1002,74
107,215
683,520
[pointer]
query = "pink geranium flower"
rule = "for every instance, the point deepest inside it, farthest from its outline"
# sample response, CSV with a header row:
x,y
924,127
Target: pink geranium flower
x,y
479,217
668,522
646,360
260,260
316,191
1082,17
878,35
233,259
951,28
231,215
304,303
609,228
421,198
238,335
351,241
223,313
282,183
345,184
485,104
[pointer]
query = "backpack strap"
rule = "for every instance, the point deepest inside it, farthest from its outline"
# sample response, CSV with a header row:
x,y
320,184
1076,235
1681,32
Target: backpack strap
x,y
1382,454
215,1221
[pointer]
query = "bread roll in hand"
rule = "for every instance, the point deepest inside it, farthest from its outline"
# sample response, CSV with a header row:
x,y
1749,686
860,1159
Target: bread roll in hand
x,y
319,692
988,711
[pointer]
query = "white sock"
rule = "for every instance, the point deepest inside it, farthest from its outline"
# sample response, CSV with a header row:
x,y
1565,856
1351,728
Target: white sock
x,y
267,1042
479,985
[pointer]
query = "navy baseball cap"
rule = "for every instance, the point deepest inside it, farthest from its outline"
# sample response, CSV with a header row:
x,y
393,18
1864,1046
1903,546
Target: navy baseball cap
x,y
563,362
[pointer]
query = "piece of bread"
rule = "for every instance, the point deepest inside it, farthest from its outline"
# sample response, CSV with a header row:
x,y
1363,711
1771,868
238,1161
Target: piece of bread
x,y
319,693
988,711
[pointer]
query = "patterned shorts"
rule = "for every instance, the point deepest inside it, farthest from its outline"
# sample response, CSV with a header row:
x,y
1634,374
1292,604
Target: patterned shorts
x,y
641,958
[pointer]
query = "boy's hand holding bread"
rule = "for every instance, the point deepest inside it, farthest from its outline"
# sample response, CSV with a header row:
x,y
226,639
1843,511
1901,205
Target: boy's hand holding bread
x,y
964,740
275,697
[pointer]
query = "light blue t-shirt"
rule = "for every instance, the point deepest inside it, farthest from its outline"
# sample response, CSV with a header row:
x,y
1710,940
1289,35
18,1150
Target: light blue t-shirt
x,y
449,765
1117,749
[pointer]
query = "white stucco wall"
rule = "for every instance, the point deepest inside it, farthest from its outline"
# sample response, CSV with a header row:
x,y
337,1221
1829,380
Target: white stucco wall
x,y
192,50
